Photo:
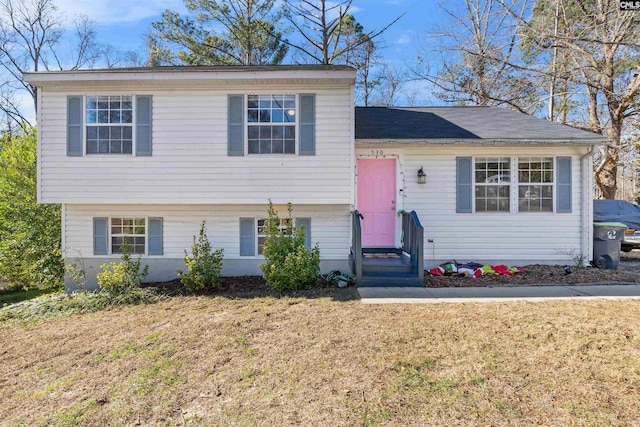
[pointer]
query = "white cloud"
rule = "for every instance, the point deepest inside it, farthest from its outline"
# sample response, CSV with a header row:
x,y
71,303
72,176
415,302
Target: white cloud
x,y
405,38
117,11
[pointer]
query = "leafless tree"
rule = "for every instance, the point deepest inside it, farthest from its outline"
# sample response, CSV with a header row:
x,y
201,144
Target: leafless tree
x,y
472,56
392,79
602,45
321,23
31,33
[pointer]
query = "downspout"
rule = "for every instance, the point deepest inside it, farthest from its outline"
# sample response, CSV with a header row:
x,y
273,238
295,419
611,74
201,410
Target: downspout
x,y
587,203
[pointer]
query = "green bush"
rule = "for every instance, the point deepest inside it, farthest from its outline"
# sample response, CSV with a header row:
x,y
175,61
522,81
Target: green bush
x,y
204,266
289,265
122,278
30,254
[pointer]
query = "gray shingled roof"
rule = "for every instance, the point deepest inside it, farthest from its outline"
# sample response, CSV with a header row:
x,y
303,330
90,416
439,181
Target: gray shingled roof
x,y
462,124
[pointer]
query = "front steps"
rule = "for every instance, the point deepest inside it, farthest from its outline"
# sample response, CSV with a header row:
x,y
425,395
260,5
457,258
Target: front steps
x,y
384,267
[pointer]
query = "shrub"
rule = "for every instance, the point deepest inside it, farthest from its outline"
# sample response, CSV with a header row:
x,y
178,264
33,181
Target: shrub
x,y
122,278
30,254
204,266
289,265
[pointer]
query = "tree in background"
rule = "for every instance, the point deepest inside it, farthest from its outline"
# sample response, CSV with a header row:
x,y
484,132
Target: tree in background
x,y
601,46
33,38
474,55
251,34
30,232
330,34
570,55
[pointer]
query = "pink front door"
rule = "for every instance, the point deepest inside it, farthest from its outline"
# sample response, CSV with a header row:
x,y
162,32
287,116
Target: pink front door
x,y
377,201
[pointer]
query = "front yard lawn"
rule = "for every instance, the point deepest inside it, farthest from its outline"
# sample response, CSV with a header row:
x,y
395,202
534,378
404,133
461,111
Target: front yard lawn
x,y
322,358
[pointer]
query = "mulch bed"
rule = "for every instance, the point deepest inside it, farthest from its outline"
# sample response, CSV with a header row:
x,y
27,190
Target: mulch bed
x,y
256,286
536,275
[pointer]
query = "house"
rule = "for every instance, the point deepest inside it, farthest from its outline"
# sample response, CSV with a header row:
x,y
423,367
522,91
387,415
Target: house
x,y
147,154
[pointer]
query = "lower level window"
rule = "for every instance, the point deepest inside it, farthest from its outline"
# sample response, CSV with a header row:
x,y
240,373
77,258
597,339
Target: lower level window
x,y
285,226
130,232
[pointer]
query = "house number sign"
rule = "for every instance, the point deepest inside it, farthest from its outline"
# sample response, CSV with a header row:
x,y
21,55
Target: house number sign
x,y
377,153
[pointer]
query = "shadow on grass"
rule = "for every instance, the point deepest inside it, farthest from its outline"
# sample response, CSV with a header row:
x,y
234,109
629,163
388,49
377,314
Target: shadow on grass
x,y
12,296
247,287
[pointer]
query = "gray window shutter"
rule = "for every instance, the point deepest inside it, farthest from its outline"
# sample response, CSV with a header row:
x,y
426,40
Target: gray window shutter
x,y
100,236
247,236
305,223
307,124
74,125
464,184
563,187
235,142
155,236
143,125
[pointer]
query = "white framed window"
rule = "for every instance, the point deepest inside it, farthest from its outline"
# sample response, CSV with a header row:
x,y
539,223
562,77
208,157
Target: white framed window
x,y
261,231
535,184
271,124
109,124
132,231
492,184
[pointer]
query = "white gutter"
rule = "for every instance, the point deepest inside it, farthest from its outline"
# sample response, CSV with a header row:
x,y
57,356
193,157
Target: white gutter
x,y
586,172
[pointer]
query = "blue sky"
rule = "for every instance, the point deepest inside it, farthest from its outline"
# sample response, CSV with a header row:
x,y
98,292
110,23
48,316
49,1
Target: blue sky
x,y
124,25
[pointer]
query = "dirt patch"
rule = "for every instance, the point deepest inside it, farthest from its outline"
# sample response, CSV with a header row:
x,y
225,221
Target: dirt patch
x,y
317,361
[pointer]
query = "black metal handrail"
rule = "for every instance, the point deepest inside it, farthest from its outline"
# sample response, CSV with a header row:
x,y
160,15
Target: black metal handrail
x,y
413,240
356,244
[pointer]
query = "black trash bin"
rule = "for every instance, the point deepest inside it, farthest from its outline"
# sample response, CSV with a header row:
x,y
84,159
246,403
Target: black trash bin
x,y
607,238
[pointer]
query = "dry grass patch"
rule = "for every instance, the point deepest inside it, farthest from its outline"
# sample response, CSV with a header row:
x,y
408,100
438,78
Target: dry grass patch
x,y
318,361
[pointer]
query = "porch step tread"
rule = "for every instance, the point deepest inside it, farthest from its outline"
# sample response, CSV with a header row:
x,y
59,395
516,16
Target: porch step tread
x,y
391,279
386,262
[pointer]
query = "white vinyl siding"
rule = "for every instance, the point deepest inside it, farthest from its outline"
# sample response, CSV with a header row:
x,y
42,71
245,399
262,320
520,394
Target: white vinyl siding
x,y
181,222
506,237
190,164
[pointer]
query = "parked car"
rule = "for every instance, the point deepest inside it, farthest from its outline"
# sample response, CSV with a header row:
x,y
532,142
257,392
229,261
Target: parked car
x,y
624,212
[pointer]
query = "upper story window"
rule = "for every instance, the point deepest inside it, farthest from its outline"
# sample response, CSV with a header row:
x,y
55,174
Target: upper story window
x,y
271,124
109,124
492,188
535,184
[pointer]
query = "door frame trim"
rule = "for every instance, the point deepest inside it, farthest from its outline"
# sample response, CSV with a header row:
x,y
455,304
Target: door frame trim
x,y
386,154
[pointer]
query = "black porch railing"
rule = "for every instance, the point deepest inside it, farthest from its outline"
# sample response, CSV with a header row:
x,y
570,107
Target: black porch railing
x,y
413,241
389,266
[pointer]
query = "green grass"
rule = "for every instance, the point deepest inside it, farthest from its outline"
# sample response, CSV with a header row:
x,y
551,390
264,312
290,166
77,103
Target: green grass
x,y
13,296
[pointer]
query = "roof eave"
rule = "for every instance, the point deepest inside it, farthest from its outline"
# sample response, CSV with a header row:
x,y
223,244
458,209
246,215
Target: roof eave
x,y
481,142
40,78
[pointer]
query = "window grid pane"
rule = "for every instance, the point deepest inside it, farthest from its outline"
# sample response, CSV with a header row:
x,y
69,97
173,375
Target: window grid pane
x,y
109,122
261,226
492,184
271,124
535,184
131,231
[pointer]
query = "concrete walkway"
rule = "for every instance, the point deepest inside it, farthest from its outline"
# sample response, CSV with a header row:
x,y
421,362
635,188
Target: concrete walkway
x,y
392,295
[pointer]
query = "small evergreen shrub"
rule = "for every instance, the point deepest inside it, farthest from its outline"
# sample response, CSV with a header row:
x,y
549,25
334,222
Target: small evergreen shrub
x,y
289,265
204,264
122,278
